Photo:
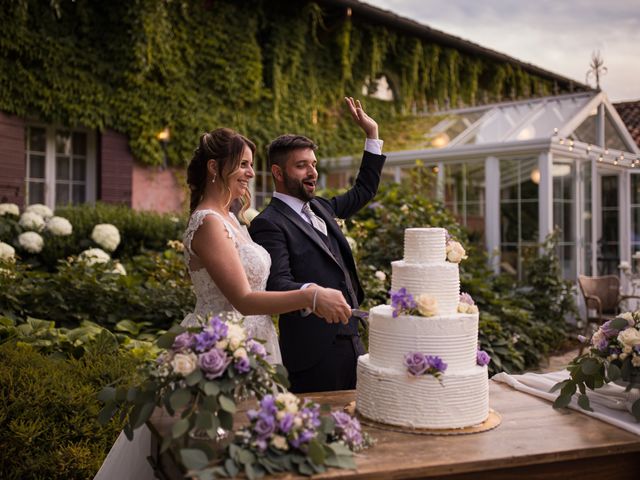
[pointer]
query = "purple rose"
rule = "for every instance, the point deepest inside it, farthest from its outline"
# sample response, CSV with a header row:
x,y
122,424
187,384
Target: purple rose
x,y
416,363
257,348
342,419
286,423
182,342
242,365
264,427
436,363
482,358
213,363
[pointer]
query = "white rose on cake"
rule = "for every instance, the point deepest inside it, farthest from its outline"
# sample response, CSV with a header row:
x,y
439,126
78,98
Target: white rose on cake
x,y
427,305
455,252
42,210
7,252
92,256
59,226
9,208
32,242
31,221
106,235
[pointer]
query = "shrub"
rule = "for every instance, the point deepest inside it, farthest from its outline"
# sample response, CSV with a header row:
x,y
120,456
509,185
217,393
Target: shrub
x,y
49,409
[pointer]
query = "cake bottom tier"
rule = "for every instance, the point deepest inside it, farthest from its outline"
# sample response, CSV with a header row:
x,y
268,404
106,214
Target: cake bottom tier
x,y
397,398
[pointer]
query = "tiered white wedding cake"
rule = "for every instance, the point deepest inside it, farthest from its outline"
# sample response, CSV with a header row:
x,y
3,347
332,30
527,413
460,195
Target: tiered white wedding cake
x,y
394,382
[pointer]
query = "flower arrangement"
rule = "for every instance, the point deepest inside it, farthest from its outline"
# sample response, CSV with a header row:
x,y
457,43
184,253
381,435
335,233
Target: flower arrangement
x,y
286,433
613,356
403,303
201,373
418,363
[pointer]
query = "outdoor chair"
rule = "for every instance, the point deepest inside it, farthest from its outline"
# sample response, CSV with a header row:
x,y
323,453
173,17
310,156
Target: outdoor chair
x,y
602,299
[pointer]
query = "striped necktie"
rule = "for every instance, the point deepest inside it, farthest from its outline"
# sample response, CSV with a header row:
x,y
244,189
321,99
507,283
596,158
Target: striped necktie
x,y
316,221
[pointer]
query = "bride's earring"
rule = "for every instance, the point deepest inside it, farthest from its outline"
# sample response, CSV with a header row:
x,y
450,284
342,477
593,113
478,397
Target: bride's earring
x,y
213,180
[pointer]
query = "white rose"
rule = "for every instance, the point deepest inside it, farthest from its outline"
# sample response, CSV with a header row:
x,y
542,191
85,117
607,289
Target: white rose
x,y
380,275
59,226
7,252
463,307
455,252
92,256
222,344
289,400
629,337
635,361
9,208
626,349
623,356
297,422
280,442
40,209
473,309
119,269
628,316
184,363
597,338
106,235
32,242
31,221
236,335
240,353
427,305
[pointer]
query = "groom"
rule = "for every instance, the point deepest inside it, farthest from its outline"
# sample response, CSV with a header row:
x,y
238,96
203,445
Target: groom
x,y
307,247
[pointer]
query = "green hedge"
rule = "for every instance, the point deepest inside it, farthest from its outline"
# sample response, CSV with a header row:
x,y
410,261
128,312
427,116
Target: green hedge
x,y
49,409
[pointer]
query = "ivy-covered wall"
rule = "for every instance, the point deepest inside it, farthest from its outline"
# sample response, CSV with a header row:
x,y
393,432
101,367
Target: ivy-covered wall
x,y
264,67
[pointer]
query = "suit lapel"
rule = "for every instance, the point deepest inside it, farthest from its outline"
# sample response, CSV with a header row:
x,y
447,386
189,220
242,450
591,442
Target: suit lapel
x,y
305,227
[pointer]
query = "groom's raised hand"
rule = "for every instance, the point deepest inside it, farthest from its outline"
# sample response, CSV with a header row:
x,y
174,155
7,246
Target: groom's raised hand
x,y
365,122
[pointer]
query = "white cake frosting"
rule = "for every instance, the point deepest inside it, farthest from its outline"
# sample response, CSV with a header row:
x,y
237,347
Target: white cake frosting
x,y
385,391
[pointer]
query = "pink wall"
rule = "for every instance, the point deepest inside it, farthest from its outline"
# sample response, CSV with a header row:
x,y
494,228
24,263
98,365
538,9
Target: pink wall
x,y
160,190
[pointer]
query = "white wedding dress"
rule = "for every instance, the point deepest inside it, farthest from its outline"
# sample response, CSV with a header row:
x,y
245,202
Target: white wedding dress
x,y
127,460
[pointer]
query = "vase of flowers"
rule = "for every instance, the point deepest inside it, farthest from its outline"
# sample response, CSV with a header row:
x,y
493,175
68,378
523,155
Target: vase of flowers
x,y
613,357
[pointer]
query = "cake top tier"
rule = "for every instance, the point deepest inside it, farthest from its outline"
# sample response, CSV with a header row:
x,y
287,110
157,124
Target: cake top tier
x,y
425,245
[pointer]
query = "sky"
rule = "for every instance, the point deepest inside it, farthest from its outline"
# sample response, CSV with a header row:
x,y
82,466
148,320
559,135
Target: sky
x,y
557,35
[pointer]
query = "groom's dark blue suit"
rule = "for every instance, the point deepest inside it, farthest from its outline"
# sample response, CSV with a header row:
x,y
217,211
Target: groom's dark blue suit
x,y
319,356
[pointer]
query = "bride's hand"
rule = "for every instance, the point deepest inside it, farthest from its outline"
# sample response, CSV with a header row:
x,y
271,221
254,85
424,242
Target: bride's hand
x,y
331,305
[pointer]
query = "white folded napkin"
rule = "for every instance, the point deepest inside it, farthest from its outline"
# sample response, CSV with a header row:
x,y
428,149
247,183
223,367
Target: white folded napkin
x,y
609,402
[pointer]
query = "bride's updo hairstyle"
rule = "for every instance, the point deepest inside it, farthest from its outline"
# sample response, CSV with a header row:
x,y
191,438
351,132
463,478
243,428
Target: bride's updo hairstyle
x,y
225,146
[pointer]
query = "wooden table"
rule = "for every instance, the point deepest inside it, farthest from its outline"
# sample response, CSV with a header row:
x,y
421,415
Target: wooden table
x,y
534,441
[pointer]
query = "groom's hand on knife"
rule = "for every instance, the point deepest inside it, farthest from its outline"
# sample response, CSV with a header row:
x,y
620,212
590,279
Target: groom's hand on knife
x,y
331,305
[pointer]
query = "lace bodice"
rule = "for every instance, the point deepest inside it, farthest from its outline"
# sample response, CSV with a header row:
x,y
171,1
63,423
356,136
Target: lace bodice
x,y
209,299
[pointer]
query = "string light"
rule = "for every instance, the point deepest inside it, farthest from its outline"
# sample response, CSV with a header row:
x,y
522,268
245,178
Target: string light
x,y
600,158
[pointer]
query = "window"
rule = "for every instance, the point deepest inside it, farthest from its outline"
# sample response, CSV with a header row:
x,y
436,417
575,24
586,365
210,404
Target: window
x,y
635,213
518,211
563,216
587,218
608,243
464,194
60,166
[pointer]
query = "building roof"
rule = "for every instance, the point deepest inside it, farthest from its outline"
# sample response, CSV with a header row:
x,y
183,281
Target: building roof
x,y
630,114
379,16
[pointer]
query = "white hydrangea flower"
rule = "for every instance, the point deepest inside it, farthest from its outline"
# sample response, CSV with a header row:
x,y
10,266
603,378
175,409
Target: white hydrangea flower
x,y
9,208
31,221
119,269
106,235
7,252
32,242
92,256
59,226
40,209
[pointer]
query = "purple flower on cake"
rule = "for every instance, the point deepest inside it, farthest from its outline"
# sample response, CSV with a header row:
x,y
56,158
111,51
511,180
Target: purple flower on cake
x,y
418,363
401,301
482,358
213,363
466,304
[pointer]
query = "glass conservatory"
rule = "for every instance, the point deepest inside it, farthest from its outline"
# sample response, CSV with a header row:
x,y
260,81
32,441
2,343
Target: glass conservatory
x,y
513,172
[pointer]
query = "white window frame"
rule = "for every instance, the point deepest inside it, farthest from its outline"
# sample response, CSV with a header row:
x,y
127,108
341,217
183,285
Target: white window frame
x,y
50,163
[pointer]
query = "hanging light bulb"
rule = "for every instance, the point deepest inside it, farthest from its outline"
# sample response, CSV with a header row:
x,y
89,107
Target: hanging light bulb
x,y
561,141
615,161
588,147
600,158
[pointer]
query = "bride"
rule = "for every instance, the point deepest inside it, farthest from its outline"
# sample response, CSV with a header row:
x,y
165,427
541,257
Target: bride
x,y
229,272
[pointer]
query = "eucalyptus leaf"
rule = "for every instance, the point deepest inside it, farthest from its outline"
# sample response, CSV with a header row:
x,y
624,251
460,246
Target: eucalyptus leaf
x,y
180,428
227,404
305,469
166,341
590,366
635,410
619,324
226,419
179,398
204,420
583,402
558,386
145,412
614,372
166,443
230,467
210,404
245,456
194,377
562,401
107,412
211,388
193,458
316,452
107,394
